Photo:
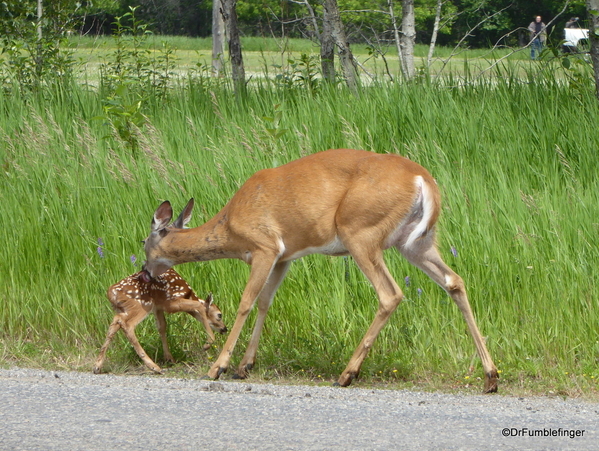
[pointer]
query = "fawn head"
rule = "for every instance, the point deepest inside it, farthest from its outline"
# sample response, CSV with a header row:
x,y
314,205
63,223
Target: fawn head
x,y
214,315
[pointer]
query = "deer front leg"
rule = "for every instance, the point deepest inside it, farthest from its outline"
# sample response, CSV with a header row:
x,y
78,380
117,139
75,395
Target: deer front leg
x,y
112,330
264,302
262,265
161,324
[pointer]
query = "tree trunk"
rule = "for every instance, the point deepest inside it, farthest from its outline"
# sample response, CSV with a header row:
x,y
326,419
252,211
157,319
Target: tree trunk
x,y
331,15
431,48
593,9
237,69
396,34
408,38
40,13
313,17
327,48
218,31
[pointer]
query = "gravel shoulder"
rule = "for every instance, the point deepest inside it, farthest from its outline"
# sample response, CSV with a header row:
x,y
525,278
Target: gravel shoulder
x,y
49,410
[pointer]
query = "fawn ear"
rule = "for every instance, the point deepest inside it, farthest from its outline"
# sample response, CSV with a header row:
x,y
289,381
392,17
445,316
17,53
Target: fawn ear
x,y
185,216
208,301
162,216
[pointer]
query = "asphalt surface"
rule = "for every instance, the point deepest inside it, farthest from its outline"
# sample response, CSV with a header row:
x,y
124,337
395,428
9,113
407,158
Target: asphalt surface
x,y
42,410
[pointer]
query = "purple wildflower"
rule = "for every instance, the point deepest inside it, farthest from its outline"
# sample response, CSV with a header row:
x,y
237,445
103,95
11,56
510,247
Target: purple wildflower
x,y
419,291
100,252
100,242
454,251
133,259
407,280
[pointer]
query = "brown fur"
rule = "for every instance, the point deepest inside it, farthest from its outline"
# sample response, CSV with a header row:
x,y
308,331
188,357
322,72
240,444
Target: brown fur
x,y
337,202
133,299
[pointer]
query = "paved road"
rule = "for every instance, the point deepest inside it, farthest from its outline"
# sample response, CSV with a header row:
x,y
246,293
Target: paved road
x,y
41,410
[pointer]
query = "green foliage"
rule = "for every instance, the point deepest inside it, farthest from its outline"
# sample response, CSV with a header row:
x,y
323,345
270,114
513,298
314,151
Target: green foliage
x,y
123,111
301,72
576,67
130,74
514,156
35,49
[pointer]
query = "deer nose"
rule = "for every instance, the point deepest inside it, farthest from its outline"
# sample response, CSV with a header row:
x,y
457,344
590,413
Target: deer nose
x,y
145,276
224,330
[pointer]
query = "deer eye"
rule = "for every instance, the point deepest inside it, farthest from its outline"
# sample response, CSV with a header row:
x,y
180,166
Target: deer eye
x,y
219,316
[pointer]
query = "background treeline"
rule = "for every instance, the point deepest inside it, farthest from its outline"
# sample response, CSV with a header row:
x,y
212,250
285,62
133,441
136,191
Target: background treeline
x,y
364,19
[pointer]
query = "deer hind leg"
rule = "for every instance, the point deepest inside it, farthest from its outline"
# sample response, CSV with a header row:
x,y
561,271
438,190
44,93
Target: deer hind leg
x,y
373,266
161,325
112,330
264,302
424,255
262,266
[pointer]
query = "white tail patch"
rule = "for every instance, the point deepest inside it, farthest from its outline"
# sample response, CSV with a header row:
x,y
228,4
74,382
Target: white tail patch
x,y
425,202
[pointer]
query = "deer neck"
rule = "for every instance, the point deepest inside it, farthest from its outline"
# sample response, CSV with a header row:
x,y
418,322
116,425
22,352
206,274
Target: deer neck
x,y
209,241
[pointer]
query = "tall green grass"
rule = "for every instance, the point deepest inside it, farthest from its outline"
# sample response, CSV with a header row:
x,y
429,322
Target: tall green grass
x,y
516,163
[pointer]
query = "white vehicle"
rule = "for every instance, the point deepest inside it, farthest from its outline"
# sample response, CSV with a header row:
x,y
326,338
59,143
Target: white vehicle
x,y
573,36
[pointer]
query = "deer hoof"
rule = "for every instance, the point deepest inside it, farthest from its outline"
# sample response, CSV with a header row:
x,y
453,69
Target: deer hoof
x,y
345,380
97,370
243,371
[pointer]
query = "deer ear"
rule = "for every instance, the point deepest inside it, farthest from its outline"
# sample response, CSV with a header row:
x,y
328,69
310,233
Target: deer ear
x,y
185,216
162,216
208,301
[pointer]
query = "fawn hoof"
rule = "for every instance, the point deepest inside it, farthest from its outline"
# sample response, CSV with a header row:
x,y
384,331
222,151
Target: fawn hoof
x,y
206,346
97,370
491,382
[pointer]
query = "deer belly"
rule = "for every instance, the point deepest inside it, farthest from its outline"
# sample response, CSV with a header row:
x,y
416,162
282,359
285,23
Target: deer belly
x,y
334,248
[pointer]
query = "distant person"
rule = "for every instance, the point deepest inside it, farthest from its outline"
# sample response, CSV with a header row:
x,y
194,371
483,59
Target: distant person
x,y
538,36
573,23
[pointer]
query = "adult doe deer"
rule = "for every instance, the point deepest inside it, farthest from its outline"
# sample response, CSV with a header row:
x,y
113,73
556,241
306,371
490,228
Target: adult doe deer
x,y
134,297
336,202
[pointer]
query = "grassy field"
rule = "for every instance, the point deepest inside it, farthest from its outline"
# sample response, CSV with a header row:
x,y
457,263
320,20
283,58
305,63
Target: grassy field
x,y
515,160
262,55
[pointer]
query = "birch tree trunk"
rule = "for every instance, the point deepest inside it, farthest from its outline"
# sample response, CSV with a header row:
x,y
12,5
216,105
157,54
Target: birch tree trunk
x,y
408,38
431,48
396,35
340,40
593,9
218,31
232,29
40,13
